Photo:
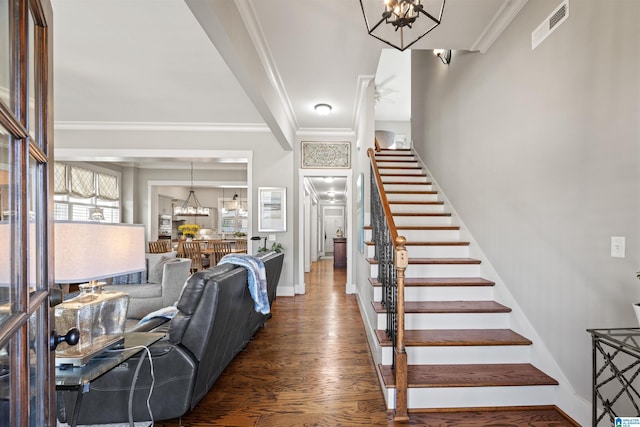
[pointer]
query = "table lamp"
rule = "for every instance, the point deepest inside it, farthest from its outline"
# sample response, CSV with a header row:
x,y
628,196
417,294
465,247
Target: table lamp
x,y
86,252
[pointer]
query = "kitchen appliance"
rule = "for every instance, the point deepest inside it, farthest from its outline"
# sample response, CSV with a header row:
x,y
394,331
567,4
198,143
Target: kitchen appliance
x,y
164,227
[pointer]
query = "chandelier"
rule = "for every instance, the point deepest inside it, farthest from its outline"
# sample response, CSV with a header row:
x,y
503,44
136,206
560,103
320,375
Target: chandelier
x,y
191,206
401,23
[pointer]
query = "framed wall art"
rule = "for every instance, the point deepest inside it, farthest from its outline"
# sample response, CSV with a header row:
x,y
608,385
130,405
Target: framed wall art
x,y
272,209
326,154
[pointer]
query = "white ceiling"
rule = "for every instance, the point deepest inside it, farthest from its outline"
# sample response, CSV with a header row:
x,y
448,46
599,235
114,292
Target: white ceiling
x,y
238,64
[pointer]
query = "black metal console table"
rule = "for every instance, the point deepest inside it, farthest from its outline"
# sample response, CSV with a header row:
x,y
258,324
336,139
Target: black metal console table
x,y
616,366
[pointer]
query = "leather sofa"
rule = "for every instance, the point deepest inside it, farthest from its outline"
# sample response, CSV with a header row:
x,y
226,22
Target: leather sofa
x,y
215,321
166,275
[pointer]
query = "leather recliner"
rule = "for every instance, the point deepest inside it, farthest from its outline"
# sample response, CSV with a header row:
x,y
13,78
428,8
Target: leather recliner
x,y
215,321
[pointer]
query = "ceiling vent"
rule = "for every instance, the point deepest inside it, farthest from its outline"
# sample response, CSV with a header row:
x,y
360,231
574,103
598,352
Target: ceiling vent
x,y
550,24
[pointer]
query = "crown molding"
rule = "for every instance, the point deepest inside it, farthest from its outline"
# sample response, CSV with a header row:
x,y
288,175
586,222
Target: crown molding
x,y
363,83
161,126
315,133
498,24
252,25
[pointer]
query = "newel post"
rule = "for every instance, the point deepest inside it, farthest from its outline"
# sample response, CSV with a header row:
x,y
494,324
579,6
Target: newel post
x,y
401,263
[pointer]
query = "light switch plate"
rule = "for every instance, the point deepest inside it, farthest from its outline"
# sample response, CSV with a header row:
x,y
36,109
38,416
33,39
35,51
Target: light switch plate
x,y
617,246
272,237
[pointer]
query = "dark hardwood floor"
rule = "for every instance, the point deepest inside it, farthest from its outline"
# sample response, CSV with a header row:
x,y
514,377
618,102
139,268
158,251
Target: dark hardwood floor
x,y
311,366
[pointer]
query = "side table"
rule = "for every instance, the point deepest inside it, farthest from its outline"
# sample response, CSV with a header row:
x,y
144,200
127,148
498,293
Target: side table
x,y
79,378
616,366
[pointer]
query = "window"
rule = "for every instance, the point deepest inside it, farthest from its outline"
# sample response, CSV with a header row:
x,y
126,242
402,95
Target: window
x,y
81,193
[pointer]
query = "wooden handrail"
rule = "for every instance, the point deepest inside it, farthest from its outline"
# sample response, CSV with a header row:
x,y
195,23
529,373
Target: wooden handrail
x,y
401,261
377,145
383,197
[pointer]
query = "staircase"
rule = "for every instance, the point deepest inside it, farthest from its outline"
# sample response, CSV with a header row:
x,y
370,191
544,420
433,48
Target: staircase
x,y
460,349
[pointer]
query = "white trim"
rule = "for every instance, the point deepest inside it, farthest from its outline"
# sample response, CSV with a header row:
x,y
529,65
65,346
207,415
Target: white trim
x,y
318,133
161,126
119,154
361,99
498,24
252,25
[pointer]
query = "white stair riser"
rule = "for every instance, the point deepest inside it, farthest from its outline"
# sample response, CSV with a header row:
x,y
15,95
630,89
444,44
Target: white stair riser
x,y
408,187
408,178
404,208
422,235
450,321
448,355
387,163
436,270
421,220
431,235
467,397
440,251
442,293
401,197
394,158
407,171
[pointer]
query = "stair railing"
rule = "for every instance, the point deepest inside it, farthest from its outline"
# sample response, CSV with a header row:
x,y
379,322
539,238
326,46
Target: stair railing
x,y
391,255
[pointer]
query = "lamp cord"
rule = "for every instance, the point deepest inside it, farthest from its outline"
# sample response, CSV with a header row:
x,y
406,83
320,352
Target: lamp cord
x,y
133,386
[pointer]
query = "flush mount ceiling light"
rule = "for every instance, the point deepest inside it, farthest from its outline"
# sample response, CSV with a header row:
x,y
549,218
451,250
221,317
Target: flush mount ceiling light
x,y
322,109
401,23
444,55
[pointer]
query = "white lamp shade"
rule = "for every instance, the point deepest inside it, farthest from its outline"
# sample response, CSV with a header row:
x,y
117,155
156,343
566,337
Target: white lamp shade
x,y
7,251
92,251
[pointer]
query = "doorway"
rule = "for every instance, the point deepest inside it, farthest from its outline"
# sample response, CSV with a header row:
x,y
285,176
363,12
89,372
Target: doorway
x,y
325,212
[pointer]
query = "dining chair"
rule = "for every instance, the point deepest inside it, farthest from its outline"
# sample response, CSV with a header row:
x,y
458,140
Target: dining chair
x,y
159,247
198,260
241,246
220,249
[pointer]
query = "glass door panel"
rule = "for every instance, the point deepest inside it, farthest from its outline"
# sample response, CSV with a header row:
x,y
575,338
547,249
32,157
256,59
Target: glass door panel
x,y
31,92
5,54
34,250
7,290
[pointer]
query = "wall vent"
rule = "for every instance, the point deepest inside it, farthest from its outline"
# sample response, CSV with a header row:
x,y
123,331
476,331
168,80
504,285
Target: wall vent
x,y
549,25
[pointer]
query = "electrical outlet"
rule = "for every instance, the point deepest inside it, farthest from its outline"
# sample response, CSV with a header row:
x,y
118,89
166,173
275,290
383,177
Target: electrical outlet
x,y
272,237
617,246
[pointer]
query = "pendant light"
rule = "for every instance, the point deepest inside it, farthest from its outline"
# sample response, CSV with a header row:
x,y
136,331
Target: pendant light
x,y
191,206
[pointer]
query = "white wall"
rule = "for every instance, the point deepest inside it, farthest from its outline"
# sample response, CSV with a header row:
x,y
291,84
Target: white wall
x,y
539,152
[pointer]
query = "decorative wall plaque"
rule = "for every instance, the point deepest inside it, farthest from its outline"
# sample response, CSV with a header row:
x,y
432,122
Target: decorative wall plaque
x,y
326,155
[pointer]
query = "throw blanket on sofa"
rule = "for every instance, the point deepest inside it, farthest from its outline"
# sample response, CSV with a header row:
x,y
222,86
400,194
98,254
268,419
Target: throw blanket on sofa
x,y
257,278
166,312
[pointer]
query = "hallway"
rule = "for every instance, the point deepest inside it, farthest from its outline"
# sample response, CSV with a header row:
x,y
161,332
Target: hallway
x,y
311,366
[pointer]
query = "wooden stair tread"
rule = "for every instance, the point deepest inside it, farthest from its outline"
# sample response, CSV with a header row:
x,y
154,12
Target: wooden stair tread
x,y
442,243
397,160
421,214
438,261
539,415
411,192
416,202
401,167
409,182
405,175
451,243
427,227
456,337
440,281
442,307
420,227
399,153
476,375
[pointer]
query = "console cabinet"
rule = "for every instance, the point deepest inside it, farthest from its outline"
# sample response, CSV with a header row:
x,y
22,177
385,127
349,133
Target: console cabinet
x,y
339,252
